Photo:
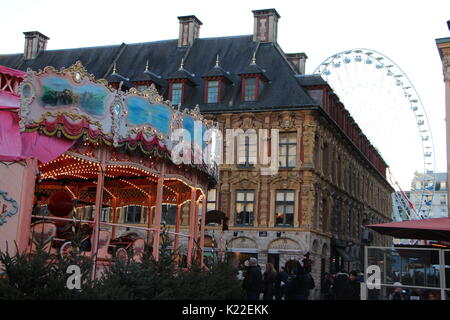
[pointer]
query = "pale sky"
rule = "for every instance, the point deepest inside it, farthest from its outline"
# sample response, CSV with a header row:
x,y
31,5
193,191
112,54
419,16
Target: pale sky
x,y
405,31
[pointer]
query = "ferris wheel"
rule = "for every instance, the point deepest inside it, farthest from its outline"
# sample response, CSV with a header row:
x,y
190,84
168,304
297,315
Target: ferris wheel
x,y
389,111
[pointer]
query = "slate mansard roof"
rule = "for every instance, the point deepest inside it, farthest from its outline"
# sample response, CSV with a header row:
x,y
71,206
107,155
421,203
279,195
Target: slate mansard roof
x,y
282,91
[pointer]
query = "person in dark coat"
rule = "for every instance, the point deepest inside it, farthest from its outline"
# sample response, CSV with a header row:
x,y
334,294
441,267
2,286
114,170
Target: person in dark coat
x,y
269,282
300,284
281,281
327,287
341,285
307,263
253,281
353,291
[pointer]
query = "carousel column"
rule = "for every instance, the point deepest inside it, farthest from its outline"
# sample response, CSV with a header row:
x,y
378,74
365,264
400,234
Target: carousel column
x,y
197,207
149,218
98,208
191,225
177,229
114,207
202,231
158,212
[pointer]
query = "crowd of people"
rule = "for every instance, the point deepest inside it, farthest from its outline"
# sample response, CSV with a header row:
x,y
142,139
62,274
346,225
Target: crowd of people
x,y
279,285
297,283
342,286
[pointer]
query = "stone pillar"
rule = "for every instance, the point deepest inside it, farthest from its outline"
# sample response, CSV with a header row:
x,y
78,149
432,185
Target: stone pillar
x,y
309,134
262,259
444,51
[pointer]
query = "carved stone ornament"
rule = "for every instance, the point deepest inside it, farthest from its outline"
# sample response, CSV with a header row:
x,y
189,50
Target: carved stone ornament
x,y
13,207
284,244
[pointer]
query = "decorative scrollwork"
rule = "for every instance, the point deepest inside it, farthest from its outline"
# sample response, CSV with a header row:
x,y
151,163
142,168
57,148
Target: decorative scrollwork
x,y
12,211
117,113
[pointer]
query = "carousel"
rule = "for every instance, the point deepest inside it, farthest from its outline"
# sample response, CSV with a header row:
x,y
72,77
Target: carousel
x,y
78,154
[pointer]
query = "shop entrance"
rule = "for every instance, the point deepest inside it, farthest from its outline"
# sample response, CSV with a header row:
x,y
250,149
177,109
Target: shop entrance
x,y
274,258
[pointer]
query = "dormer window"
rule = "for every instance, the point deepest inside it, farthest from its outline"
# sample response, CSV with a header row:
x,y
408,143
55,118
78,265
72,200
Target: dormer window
x,y
253,79
212,91
114,80
250,89
181,83
146,79
216,82
176,93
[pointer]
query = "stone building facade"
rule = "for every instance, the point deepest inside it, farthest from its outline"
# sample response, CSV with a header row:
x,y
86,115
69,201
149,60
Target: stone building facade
x,y
336,191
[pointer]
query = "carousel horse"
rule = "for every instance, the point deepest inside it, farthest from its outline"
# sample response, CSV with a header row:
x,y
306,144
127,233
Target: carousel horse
x,y
104,238
129,245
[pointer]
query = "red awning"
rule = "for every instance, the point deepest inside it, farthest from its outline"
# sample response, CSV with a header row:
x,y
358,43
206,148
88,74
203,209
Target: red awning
x,y
428,229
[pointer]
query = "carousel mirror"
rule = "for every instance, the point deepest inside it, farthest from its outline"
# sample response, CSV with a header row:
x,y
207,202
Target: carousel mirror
x,y
77,76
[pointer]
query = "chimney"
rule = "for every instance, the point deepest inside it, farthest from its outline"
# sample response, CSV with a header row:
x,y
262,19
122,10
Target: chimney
x,y
297,61
265,26
34,43
189,30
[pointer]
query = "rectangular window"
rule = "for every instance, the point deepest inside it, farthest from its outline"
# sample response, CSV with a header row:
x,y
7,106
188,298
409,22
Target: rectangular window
x,y
213,91
250,92
288,150
133,214
176,93
245,201
211,200
247,151
284,208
